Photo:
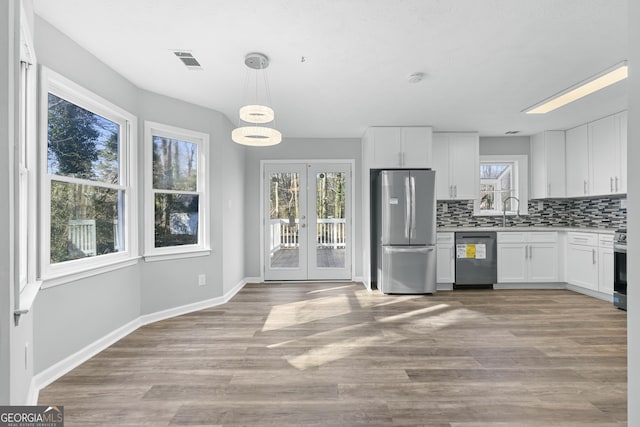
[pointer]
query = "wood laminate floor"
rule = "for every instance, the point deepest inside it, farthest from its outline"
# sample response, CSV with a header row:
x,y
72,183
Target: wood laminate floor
x,y
332,354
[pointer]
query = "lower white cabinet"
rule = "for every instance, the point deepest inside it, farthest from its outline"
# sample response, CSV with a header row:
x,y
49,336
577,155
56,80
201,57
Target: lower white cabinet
x,y
446,264
590,261
527,257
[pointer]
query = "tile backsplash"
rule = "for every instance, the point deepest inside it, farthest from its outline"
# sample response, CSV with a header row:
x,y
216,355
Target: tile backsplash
x,y
603,212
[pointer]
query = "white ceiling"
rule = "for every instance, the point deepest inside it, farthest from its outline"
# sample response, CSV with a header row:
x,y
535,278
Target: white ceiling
x,y
484,60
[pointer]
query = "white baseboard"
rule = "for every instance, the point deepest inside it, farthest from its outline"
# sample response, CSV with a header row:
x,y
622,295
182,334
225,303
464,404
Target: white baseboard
x,y
529,286
74,360
70,362
589,292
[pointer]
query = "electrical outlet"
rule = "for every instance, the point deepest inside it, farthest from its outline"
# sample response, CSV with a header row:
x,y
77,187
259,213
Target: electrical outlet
x,y
202,279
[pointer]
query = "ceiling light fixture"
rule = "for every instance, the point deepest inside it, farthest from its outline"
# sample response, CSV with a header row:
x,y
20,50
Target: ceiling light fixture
x,y
255,113
593,84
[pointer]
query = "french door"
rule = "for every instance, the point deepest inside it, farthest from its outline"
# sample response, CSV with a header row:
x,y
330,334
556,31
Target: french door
x,y
307,221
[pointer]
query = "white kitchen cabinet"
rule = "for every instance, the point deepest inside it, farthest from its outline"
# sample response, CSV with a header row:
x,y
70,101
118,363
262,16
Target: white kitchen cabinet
x,y
456,160
590,261
398,147
596,157
577,161
605,264
604,152
548,165
527,257
446,261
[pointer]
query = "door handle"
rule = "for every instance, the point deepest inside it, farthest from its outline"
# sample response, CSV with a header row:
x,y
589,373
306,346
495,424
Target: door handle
x,y
407,208
412,231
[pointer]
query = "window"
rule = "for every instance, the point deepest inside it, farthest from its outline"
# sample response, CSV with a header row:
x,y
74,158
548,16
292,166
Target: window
x,y
87,190
177,201
503,185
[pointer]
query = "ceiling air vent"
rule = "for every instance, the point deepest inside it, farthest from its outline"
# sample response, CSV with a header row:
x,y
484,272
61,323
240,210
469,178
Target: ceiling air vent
x,y
188,59
511,132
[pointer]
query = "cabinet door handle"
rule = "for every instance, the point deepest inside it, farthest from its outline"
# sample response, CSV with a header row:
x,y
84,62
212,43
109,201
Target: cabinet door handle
x,y
548,190
617,184
611,183
593,254
455,191
585,186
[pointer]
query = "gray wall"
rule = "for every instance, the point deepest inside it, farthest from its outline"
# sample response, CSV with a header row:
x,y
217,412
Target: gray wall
x,y
71,316
633,197
504,145
298,149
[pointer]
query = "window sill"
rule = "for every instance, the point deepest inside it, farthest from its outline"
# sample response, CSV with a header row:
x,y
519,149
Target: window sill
x,y
27,297
177,255
61,279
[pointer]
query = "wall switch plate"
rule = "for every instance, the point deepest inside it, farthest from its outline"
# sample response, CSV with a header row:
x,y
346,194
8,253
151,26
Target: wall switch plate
x,y
540,205
202,280
623,203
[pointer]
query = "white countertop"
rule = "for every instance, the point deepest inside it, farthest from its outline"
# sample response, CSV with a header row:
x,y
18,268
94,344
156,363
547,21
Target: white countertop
x,y
516,228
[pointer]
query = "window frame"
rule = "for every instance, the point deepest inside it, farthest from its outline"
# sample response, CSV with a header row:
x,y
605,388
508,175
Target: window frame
x,y
57,273
520,177
26,284
201,139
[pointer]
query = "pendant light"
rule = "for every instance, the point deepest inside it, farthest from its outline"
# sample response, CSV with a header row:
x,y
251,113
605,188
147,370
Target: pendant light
x,y
256,133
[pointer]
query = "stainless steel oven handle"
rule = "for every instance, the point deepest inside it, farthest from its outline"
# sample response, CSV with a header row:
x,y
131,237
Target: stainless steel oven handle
x,y
620,248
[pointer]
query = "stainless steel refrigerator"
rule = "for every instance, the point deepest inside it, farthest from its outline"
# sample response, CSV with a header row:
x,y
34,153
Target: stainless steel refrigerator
x,y
406,231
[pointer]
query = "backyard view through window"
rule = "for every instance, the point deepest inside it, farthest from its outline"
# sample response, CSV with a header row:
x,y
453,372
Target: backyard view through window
x,y
497,184
175,187
86,193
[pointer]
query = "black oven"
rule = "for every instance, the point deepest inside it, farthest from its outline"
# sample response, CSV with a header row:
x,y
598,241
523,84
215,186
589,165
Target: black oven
x,y
620,269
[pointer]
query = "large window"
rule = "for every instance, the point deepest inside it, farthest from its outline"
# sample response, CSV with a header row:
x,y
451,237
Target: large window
x,y
177,215
87,188
503,185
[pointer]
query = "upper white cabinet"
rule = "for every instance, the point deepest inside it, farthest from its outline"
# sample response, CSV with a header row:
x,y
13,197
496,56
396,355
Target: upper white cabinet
x,y
398,147
577,161
456,160
596,156
548,165
605,152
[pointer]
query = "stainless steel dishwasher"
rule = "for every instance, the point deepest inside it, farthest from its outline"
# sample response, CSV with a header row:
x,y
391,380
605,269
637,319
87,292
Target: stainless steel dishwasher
x,y
476,259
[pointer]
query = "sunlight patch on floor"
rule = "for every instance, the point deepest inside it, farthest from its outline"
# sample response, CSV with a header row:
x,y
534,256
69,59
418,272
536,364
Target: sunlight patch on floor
x,y
442,320
301,312
335,351
413,313
317,291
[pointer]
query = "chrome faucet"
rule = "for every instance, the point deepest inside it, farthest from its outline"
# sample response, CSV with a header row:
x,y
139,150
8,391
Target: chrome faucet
x,y
504,209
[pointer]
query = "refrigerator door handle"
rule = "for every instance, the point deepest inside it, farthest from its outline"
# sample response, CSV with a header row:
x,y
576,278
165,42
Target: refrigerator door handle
x,y
407,200
408,249
413,208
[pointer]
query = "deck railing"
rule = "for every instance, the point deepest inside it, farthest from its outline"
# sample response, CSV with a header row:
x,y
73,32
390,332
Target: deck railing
x,y
330,233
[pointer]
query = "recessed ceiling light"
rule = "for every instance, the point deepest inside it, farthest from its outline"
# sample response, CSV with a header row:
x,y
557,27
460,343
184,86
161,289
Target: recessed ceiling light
x,y
593,84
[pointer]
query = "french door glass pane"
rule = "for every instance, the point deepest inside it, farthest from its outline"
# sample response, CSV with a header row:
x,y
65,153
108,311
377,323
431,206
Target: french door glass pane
x,y
284,192
330,212
84,221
